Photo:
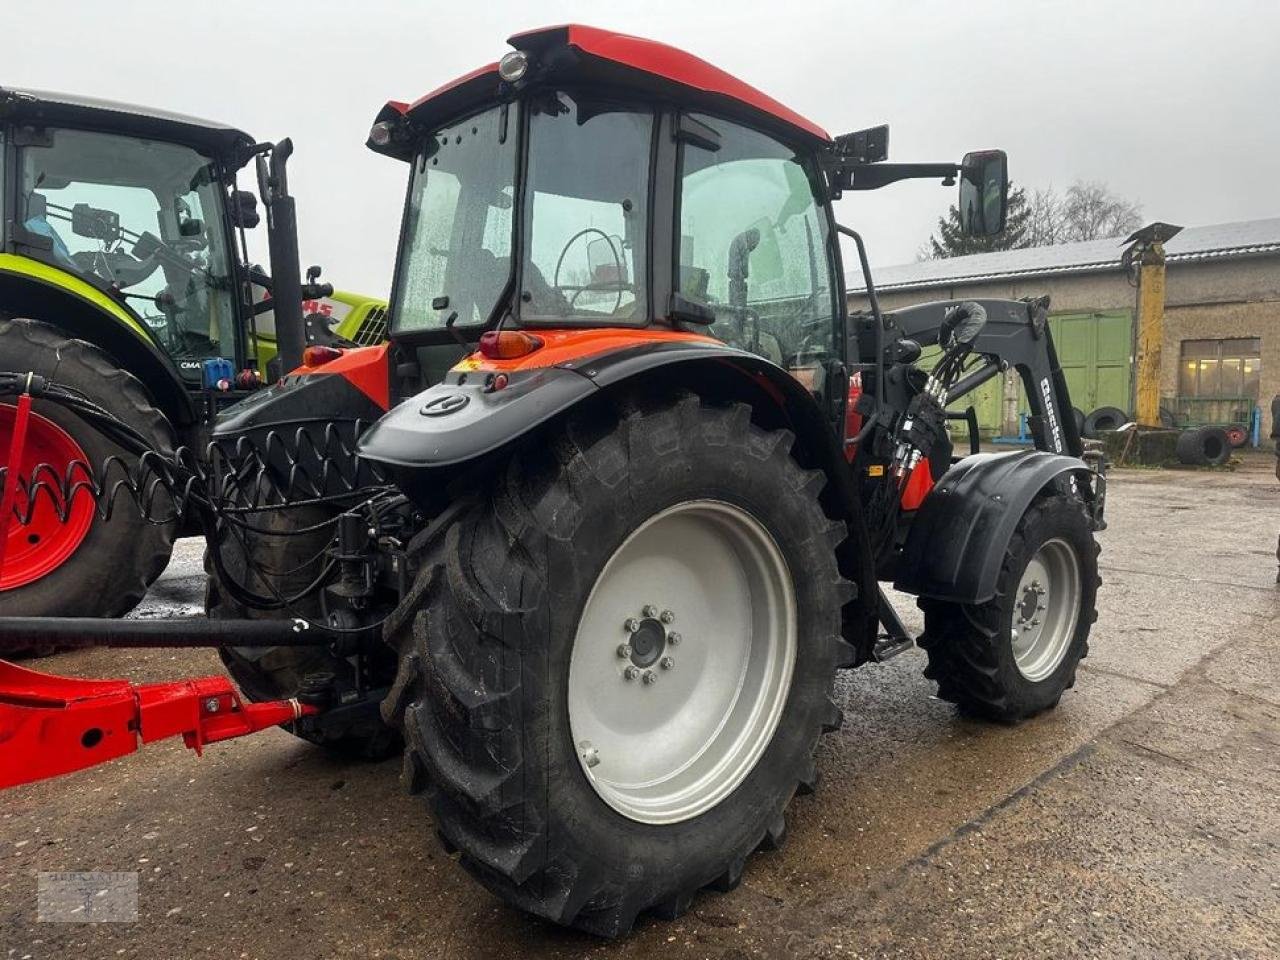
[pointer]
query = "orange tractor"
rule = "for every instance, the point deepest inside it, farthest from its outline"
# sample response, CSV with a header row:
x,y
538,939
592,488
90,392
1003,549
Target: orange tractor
x,y
594,532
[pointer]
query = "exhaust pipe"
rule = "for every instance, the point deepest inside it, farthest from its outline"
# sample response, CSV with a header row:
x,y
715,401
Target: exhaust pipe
x,y
282,240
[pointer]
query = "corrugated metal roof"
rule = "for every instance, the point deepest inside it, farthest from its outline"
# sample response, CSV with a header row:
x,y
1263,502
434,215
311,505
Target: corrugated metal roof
x,y
1245,238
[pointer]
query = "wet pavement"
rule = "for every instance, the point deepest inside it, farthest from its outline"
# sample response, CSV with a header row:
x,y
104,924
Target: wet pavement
x,y
1139,819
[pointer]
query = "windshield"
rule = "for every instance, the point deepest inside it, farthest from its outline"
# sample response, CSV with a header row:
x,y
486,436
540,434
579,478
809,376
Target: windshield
x,y
142,217
455,260
583,255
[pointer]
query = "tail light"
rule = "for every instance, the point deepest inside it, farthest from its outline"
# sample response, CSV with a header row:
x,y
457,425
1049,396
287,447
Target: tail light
x,y
317,355
508,344
852,419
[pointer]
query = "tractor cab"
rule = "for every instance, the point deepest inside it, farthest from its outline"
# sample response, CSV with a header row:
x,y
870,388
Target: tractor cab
x,y
132,207
569,188
594,180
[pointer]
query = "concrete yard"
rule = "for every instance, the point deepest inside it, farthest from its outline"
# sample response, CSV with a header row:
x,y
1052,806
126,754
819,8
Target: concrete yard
x,y
1139,819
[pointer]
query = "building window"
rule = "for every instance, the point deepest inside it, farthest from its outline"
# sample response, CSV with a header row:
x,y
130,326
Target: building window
x,y
1220,368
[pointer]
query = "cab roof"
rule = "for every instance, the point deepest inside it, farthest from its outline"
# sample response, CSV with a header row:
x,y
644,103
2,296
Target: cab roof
x,y
39,107
575,53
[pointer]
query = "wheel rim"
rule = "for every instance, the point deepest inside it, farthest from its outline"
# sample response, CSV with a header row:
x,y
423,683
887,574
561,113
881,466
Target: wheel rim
x,y
37,548
682,661
1046,609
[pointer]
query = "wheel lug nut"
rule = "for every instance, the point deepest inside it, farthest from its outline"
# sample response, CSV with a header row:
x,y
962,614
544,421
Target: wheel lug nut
x,y
624,651
673,638
632,625
650,677
649,610
630,673
667,663
667,616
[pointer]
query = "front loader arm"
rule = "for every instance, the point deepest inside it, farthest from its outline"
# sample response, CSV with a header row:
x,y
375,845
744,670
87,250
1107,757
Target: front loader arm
x,y
1016,335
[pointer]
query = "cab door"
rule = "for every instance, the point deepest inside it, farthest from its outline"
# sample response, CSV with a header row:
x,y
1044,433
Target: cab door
x,y
754,246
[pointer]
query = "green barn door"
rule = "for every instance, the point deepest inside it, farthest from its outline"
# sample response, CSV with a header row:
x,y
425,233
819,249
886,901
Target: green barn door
x,y
985,400
1093,350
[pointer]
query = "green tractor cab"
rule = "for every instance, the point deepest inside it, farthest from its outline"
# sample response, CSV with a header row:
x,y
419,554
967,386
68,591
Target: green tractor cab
x,y
124,272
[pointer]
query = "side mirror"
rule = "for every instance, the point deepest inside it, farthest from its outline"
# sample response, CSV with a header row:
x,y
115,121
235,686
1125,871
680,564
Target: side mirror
x,y
984,193
191,228
96,224
244,209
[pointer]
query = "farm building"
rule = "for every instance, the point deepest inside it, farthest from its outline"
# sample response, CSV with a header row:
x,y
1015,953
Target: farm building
x,y
1220,354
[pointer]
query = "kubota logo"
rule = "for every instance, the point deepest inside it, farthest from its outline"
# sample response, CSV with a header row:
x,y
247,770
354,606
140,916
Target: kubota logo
x,y
441,406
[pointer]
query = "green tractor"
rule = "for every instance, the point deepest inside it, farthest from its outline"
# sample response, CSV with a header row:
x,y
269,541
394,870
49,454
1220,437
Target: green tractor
x,y
124,272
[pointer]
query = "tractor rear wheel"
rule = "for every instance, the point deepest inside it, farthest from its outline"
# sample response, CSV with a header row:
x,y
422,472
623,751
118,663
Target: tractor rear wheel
x,y
68,560
291,555
1013,656
616,661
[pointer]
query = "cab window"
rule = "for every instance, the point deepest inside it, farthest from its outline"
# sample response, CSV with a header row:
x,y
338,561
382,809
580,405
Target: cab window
x,y
142,218
753,247
586,212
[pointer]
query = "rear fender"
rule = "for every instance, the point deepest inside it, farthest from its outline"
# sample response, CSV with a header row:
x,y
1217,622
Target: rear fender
x,y
480,407
959,537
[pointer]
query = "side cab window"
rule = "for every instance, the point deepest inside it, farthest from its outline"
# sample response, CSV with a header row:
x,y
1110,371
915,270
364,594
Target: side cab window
x,y
754,248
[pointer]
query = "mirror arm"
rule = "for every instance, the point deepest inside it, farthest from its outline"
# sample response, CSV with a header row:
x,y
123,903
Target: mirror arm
x,y
873,176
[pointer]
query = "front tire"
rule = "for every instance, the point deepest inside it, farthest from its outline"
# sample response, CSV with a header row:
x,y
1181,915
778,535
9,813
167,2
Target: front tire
x,y
560,780
1014,656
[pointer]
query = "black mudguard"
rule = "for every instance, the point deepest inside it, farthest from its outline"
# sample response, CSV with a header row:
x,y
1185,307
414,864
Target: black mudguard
x,y
959,537
466,417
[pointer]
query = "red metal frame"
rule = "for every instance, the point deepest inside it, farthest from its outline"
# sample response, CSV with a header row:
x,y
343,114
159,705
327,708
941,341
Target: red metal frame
x,y
51,725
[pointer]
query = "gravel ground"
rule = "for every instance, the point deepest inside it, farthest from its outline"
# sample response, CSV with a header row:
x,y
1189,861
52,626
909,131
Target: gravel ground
x,y
1139,819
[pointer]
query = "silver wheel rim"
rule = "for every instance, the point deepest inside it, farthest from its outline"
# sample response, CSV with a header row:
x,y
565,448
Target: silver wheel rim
x,y
1046,608
682,661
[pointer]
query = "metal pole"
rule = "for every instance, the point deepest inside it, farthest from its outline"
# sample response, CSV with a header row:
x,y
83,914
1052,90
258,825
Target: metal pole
x,y
24,632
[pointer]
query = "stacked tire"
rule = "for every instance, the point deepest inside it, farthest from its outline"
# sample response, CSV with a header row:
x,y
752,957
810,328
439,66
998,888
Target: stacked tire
x,y
1102,420
1204,447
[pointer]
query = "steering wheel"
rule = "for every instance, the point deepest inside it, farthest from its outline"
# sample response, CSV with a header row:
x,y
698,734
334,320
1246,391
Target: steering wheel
x,y
617,285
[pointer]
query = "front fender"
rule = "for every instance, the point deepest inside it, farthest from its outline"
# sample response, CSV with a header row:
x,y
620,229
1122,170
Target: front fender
x,y
962,531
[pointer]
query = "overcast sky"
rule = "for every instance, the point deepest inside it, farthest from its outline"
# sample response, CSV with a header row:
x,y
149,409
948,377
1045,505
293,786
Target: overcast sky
x,y
1174,104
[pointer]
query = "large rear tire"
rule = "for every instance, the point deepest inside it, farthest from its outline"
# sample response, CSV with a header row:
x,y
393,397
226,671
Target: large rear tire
x,y
91,567
1013,656
583,775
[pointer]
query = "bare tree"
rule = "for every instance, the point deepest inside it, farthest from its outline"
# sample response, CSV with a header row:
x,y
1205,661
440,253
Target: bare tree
x,y
1090,211
1045,219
